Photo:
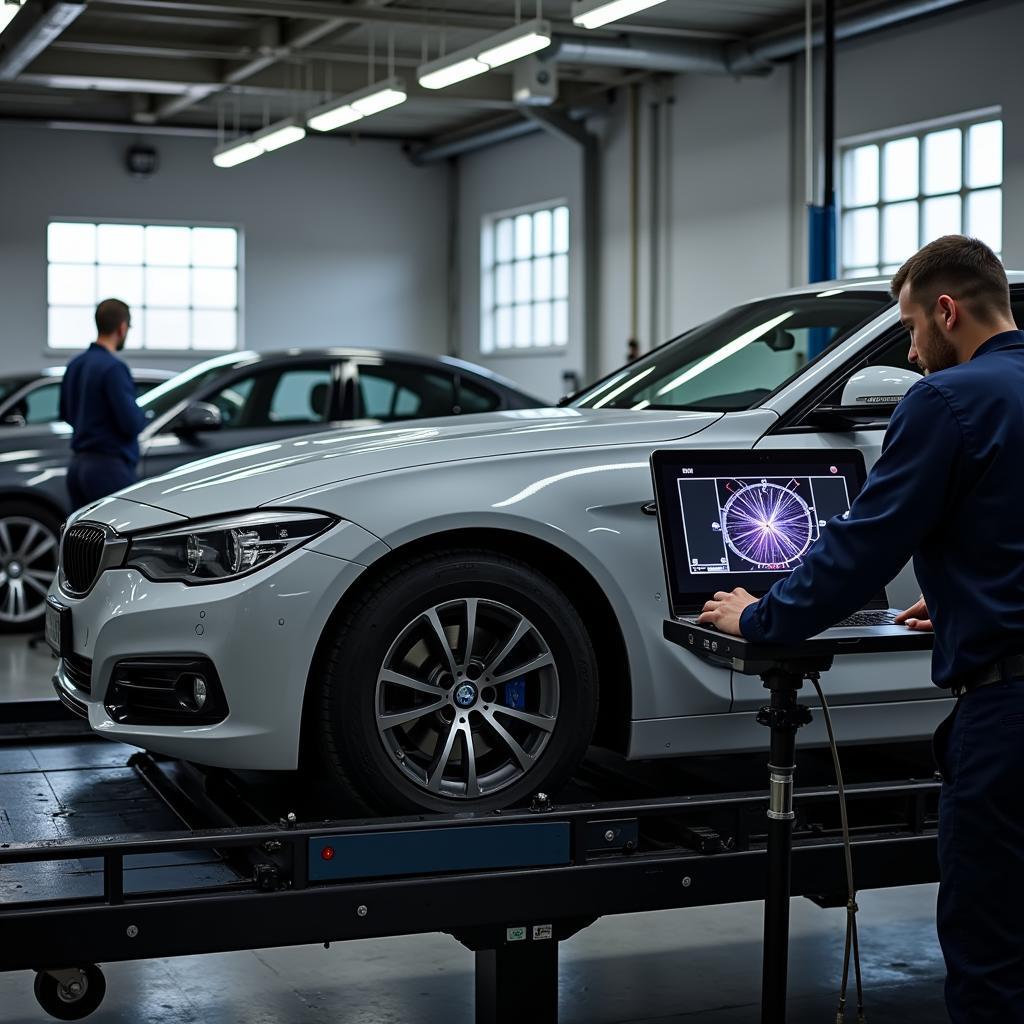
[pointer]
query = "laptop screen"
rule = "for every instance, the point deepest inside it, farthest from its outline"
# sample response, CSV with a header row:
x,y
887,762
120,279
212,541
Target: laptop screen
x,y
746,519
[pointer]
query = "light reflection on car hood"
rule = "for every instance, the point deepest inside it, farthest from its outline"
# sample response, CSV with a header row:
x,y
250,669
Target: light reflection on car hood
x,y
249,477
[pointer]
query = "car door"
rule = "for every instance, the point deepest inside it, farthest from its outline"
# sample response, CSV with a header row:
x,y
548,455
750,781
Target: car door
x,y
391,390
260,405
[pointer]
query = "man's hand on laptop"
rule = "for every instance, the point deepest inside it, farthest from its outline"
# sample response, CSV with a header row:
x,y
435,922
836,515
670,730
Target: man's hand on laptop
x,y
916,617
723,611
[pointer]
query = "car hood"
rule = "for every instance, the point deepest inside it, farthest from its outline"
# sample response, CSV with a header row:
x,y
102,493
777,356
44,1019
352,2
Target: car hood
x,y
253,476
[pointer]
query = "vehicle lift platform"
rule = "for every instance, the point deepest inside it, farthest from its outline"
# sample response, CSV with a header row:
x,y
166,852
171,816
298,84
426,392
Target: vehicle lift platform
x,y
108,853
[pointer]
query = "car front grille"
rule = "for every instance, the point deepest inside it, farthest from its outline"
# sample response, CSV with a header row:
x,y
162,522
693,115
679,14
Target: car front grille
x,y
78,671
81,555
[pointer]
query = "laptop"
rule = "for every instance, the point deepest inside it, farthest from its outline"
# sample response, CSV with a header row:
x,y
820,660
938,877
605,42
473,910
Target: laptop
x,y
739,518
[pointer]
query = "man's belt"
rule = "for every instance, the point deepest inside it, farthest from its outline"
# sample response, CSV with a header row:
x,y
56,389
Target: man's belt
x,y
998,672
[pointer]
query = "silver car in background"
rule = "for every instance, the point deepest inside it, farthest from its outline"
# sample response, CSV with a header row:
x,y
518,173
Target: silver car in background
x,y
446,613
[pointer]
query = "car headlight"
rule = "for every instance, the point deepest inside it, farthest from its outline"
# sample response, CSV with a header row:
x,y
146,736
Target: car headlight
x,y
224,548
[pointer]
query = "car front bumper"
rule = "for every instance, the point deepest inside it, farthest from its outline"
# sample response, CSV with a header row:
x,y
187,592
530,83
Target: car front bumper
x,y
260,632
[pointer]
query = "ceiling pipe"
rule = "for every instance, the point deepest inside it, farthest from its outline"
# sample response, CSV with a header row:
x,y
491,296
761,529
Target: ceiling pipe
x,y
855,21
444,150
741,57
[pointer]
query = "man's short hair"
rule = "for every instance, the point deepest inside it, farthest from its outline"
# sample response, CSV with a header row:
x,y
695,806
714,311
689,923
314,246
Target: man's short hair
x,y
110,314
965,269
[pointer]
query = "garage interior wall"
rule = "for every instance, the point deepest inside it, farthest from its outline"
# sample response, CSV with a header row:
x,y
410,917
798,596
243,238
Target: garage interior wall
x,y
525,172
730,210
343,244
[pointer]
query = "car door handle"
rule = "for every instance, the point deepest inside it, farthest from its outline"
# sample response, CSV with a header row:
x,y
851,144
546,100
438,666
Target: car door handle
x,y
650,509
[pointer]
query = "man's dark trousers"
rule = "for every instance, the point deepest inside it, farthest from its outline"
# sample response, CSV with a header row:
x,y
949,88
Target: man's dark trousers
x,y
92,476
980,749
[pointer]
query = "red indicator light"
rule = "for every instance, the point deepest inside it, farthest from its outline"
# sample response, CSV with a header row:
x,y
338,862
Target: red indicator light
x,y
327,853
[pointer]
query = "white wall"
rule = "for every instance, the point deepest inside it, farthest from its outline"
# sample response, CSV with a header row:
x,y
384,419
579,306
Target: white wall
x,y
343,244
537,169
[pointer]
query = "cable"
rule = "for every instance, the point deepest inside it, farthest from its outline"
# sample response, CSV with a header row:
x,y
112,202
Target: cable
x,y
852,939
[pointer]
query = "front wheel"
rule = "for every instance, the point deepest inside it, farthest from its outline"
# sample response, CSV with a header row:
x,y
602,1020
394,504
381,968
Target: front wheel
x,y
71,994
460,681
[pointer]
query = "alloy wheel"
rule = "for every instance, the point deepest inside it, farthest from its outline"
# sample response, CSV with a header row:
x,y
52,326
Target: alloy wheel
x,y
28,563
467,698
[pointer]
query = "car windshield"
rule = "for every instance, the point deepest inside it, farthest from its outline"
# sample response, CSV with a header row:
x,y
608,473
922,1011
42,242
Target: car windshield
x,y
165,396
735,361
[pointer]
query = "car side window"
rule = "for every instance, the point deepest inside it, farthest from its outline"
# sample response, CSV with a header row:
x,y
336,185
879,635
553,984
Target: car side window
x,y
474,398
42,403
397,391
277,396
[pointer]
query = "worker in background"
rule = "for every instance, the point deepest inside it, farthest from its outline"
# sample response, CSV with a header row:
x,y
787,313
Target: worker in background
x,y
97,397
948,490
632,350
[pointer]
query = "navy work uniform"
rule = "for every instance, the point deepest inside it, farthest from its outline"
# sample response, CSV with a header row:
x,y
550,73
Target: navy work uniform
x,y
948,489
97,397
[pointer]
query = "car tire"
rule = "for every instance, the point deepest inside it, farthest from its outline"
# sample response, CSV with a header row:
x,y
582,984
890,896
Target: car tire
x,y
505,717
29,547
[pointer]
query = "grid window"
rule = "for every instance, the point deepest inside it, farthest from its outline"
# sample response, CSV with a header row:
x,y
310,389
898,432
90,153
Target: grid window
x,y
181,284
900,193
525,292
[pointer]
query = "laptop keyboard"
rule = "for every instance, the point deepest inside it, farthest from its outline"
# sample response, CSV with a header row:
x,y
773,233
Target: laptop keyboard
x,y
880,618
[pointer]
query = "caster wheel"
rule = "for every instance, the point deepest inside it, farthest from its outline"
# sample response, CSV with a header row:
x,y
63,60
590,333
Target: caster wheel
x,y
71,994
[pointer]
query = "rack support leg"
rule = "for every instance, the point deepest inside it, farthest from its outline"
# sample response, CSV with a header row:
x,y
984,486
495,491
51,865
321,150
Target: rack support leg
x,y
517,983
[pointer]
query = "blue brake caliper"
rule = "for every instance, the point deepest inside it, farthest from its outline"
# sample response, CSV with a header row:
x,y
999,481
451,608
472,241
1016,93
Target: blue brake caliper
x,y
515,693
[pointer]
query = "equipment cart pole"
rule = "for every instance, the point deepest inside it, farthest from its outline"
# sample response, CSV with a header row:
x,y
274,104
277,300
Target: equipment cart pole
x,y
783,716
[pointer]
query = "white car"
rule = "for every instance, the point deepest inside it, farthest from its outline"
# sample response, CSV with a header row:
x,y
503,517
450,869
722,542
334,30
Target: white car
x,y
445,614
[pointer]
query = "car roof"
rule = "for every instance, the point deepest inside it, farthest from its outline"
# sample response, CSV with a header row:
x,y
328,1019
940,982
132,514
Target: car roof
x,y
864,284
419,358
138,373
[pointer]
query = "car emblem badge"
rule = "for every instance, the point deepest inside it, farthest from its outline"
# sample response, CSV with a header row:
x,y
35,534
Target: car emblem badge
x,y
465,695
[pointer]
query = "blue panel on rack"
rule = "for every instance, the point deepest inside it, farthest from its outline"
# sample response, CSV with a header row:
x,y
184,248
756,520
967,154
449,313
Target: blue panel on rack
x,y
438,851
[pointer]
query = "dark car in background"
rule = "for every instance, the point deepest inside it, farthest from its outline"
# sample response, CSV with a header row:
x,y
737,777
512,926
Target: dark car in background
x,y
32,399
228,402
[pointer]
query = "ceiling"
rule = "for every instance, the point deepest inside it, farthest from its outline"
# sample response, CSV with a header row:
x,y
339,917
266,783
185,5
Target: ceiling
x,y
227,65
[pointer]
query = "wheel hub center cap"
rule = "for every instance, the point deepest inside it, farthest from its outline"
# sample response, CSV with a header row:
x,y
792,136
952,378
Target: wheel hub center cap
x,y
465,695
14,569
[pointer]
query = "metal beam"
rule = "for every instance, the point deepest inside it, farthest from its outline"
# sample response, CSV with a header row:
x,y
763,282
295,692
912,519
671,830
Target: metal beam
x,y
38,23
319,10
456,144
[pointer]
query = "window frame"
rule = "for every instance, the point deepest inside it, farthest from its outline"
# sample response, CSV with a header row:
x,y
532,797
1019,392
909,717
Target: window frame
x,y
917,131
488,224
159,353
358,412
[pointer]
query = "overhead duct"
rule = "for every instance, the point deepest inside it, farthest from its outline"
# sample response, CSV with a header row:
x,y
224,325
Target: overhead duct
x,y
649,53
855,21
445,149
743,57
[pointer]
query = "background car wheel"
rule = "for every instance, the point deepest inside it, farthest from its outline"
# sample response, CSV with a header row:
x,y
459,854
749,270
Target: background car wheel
x,y
461,681
29,546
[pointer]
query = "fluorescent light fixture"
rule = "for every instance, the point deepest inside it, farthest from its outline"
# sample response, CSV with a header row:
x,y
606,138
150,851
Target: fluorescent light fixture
x,y
595,13
7,12
279,135
356,105
519,41
274,136
333,116
237,152
449,74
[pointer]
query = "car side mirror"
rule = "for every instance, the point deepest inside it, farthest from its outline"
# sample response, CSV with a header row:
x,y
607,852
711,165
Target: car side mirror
x,y
870,395
197,417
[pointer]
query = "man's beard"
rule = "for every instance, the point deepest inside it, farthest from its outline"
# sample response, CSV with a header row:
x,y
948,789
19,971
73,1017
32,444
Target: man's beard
x,y
939,353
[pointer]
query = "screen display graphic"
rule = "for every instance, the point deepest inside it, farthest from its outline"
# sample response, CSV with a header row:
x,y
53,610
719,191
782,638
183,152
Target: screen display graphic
x,y
763,524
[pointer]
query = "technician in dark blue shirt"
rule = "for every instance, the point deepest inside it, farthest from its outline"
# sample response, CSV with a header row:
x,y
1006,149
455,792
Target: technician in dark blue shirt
x,y
948,489
97,397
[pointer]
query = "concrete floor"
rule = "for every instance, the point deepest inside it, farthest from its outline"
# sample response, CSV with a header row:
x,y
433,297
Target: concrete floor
x,y
700,965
